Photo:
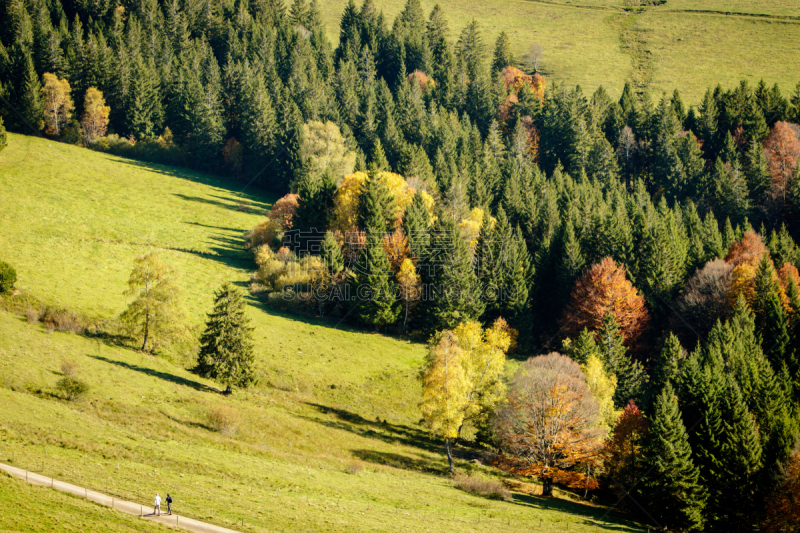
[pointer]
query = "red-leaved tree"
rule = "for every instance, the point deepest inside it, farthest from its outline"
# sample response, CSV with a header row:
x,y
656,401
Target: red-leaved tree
x,y
783,506
749,250
623,450
283,210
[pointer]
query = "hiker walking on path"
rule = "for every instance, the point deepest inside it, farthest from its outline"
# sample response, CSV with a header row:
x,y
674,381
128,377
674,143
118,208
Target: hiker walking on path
x,y
157,506
169,504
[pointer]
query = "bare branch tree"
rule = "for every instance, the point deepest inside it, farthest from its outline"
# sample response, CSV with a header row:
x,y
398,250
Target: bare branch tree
x,y
535,55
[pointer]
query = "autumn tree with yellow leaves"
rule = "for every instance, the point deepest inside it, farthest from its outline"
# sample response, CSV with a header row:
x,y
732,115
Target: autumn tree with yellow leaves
x,y
456,397
444,389
95,115
58,105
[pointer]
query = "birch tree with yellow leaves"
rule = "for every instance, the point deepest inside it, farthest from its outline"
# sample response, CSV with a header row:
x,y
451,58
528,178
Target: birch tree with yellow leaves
x,y
444,390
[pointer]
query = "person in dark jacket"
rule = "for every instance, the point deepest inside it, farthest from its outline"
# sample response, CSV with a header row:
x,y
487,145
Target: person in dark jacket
x,y
169,504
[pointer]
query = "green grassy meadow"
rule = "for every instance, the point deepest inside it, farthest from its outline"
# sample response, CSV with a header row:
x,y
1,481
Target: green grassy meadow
x,y
686,44
329,440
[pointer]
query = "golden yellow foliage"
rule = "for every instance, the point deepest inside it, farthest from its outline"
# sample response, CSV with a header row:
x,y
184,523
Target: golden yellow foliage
x,y
57,103
444,387
95,115
268,232
484,357
345,202
743,282
603,387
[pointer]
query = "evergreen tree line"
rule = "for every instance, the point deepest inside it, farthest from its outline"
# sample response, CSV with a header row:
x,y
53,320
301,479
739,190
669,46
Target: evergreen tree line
x,y
723,424
234,82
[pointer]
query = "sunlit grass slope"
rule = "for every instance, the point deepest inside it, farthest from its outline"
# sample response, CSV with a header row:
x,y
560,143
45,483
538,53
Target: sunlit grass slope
x,y
328,441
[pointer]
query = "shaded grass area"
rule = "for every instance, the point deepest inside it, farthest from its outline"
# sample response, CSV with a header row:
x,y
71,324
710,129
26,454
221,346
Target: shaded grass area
x,y
28,507
586,44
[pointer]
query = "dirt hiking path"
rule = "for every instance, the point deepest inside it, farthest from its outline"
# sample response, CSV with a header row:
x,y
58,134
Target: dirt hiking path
x,y
145,511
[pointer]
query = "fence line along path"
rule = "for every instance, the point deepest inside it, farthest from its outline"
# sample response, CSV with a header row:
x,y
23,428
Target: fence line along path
x,y
132,508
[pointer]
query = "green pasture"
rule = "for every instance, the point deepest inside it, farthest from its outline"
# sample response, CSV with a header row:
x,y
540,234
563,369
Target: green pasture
x,y
688,44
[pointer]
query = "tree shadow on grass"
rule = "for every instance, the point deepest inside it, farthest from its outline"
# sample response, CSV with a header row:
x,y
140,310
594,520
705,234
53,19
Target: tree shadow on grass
x,y
384,431
237,231
420,463
228,251
258,199
244,205
172,378
592,515
187,423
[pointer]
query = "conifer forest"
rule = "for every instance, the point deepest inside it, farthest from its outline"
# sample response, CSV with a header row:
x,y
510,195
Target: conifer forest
x,y
629,263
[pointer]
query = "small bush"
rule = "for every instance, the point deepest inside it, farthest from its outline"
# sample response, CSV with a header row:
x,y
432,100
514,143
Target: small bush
x,y
32,315
8,277
63,320
72,388
481,486
354,468
224,419
69,367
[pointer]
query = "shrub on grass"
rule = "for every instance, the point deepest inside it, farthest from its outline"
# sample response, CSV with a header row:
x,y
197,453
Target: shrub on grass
x,y
354,468
69,367
32,315
72,388
8,277
224,419
63,320
481,486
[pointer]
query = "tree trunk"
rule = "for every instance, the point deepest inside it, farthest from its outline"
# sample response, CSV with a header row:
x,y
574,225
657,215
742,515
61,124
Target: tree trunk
x,y
146,331
547,487
405,317
449,454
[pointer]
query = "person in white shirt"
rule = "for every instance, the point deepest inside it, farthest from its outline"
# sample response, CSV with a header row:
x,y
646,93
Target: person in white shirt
x,y
157,506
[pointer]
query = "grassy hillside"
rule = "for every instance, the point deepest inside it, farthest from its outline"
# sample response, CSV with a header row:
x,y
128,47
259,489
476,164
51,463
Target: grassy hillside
x,y
688,44
309,453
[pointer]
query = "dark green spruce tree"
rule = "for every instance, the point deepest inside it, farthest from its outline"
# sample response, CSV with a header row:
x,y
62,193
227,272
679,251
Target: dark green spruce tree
x,y
771,319
226,346
416,224
631,377
454,292
671,491
331,254
376,302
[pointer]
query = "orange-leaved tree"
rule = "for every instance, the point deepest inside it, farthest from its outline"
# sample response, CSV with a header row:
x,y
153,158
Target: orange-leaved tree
x,y
422,79
396,247
783,506
549,427
605,288
283,210
783,152
748,250
787,273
